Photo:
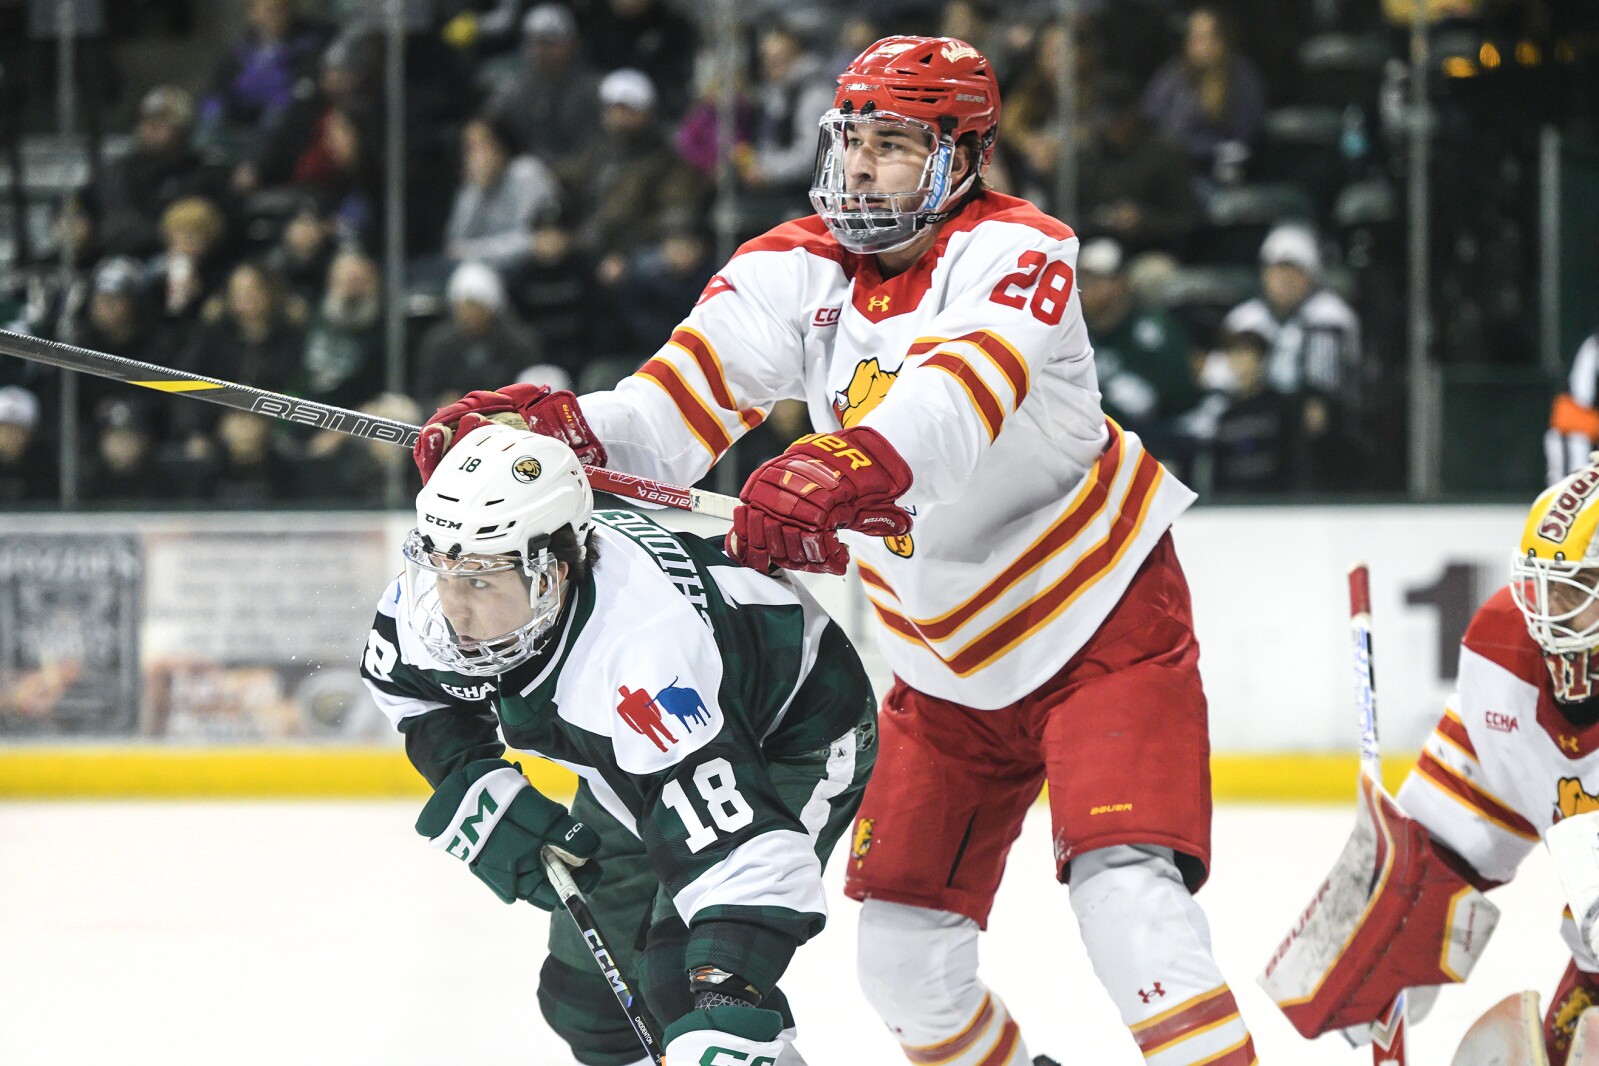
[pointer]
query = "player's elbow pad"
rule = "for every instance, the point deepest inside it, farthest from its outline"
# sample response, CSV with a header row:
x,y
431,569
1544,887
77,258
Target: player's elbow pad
x,y
1396,912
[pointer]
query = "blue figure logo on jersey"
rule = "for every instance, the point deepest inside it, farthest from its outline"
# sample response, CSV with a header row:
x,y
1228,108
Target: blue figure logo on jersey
x,y
684,704
642,712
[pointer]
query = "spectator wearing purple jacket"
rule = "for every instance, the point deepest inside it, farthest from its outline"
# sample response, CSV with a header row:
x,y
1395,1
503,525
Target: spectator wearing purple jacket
x,y
261,72
1210,97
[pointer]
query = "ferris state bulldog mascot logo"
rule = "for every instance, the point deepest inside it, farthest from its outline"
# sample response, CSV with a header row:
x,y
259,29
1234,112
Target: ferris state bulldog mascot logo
x,y
866,389
1573,799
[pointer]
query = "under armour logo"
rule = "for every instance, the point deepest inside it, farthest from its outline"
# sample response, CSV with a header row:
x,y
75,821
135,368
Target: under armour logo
x,y
1569,742
877,303
1153,994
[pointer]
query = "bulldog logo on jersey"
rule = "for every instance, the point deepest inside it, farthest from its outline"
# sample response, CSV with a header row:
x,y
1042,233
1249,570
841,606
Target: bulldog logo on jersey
x,y
1573,799
866,389
1566,1013
643,713
862,843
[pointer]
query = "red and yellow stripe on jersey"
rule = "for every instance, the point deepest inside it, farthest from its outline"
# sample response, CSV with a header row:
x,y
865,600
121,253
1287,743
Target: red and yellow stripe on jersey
x,y
691,374
1449,765
954,357
1113,500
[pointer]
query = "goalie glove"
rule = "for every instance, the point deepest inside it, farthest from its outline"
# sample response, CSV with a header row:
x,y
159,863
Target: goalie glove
x,y
726,1036
1574,845
521,406
487,815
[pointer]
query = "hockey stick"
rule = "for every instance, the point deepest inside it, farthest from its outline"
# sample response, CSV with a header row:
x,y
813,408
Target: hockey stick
x,y
578,907
322,416
1388,1031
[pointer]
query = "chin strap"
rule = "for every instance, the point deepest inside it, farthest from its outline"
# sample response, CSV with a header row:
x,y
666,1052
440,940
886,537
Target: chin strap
x,y
968,192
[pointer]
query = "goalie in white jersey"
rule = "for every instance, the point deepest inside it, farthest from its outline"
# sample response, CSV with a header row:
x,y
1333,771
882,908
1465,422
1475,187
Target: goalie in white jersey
x,y
1013,543
1515,753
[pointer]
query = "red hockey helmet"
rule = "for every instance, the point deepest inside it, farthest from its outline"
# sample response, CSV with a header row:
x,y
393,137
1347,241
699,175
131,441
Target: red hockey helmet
x,y
940,86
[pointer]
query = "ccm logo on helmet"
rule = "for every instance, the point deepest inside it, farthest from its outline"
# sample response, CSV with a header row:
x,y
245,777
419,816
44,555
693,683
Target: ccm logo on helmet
x,y
445,522
1564,510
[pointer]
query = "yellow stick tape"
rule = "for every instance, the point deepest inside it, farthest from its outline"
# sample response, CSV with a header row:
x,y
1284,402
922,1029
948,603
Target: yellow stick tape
x,y
151,771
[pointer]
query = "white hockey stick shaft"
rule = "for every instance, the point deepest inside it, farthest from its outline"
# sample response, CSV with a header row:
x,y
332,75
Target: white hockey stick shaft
x,y
577,906
1388,1032
1365,679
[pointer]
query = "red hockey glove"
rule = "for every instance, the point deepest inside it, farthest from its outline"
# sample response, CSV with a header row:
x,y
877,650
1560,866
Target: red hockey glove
x,y
824,482
535,407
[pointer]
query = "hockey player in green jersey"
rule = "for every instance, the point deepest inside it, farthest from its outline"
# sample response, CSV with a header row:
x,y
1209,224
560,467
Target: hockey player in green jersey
x,y
723,728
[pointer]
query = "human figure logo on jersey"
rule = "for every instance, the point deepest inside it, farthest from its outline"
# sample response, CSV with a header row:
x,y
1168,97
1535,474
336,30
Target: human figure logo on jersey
x,y
639,710
642,712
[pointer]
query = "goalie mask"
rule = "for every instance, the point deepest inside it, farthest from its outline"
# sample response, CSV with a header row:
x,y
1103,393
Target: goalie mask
x,y
1554,579
482,589
928,91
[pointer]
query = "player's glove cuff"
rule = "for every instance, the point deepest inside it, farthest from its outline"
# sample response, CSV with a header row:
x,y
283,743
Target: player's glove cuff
x,y
725,1034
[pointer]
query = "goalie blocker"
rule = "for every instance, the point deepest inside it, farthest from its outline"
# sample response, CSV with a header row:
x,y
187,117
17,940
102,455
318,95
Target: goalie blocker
x,y
1397,911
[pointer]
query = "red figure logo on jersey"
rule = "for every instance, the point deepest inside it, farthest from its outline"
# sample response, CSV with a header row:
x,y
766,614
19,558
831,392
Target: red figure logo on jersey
x,y
643,712
1153,994
865,391
715,287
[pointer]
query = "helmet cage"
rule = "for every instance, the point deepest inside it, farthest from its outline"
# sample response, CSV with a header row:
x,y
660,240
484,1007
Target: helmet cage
x,y
426,565
1535,583
869,223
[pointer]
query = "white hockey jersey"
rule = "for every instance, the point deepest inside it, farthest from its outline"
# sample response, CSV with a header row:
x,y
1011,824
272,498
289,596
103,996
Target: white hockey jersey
x,y
1032,512
1504,764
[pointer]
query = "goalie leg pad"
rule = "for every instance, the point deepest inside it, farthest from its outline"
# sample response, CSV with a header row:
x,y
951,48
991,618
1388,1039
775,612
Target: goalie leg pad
x,y
918,969
1394,913
1509,1034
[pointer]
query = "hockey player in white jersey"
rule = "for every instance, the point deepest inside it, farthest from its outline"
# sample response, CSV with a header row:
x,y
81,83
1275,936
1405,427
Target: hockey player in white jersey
x,y
1013,543
723,727
1515,753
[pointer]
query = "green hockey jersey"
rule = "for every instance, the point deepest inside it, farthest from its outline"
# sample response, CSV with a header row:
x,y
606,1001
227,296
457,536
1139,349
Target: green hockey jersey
x,y
672,683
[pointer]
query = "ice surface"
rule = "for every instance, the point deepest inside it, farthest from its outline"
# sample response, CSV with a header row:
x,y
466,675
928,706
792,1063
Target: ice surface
x,y
329,933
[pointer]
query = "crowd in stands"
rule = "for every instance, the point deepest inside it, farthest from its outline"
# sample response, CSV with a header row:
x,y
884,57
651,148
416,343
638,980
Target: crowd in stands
x,y
561,173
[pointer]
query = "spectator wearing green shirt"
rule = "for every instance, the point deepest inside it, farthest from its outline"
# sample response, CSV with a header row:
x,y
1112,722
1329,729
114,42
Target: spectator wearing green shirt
x,y
1142,355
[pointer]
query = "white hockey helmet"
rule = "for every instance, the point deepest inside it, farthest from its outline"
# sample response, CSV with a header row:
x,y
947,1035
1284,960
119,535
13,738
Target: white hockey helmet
x,y
482,589
1554,579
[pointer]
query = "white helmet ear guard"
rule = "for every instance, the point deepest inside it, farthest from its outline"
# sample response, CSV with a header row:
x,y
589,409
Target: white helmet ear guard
x,y
482,590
